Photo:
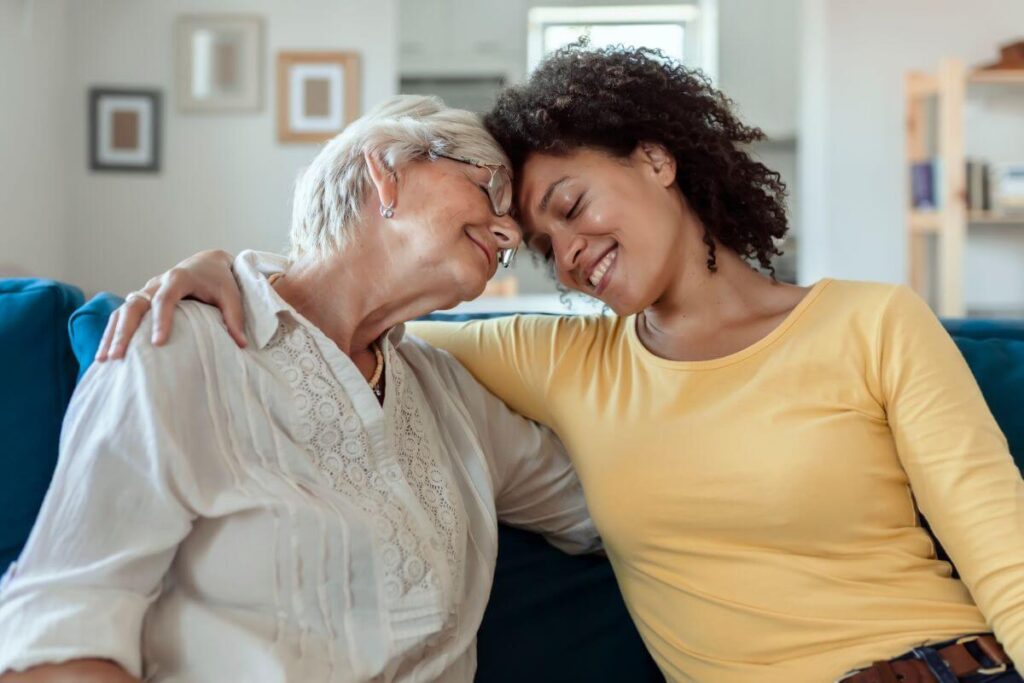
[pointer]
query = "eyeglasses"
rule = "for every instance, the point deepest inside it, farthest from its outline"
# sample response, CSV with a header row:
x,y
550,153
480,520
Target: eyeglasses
x,y
499,191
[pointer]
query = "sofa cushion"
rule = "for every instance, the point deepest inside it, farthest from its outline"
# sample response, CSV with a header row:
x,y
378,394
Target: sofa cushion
x,y
998,365
86,327
980,328
555,618
38,378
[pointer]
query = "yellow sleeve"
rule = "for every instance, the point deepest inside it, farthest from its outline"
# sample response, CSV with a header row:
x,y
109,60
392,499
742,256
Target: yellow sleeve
x,y
513,356
957,459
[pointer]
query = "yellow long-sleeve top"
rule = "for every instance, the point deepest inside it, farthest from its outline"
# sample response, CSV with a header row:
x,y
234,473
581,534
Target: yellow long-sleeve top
x,y
759,509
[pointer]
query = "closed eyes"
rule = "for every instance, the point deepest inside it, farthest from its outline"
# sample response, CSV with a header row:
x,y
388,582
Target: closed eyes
x,y
574,211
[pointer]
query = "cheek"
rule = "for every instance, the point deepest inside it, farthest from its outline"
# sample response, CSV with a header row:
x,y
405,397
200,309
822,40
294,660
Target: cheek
x,y
565,279
458,209
602,220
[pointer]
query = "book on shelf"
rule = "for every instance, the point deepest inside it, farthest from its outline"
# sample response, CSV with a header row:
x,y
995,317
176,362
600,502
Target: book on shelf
x,y
1009,187
924,185
979,195
987,189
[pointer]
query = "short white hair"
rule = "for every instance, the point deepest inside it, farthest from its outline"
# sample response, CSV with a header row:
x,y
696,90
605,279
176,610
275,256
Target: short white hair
x,y
329,194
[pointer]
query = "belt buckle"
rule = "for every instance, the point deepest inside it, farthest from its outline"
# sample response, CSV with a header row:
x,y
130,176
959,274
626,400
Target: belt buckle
x,y
986,672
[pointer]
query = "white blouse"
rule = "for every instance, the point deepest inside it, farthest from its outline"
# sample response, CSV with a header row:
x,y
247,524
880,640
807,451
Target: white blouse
x,y
226,514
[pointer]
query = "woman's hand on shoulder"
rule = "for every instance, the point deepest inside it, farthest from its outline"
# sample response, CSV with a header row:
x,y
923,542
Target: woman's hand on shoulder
x,y
206,277
75,671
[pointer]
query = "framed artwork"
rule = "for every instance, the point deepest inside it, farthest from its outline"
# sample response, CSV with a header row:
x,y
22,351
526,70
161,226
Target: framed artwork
x,y
219,63
124,129
317,94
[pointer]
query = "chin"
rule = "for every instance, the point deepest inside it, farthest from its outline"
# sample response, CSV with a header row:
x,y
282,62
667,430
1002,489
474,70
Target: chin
x,y
622,311
478,289
466,282
629,305
469,293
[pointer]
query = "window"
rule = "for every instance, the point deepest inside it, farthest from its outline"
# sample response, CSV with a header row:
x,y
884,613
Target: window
x,y
673,29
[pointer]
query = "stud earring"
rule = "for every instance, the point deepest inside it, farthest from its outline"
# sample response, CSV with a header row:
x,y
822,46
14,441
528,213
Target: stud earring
x,y
387,211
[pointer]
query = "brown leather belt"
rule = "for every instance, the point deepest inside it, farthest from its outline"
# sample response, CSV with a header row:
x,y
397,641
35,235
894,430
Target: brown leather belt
x,y
959,659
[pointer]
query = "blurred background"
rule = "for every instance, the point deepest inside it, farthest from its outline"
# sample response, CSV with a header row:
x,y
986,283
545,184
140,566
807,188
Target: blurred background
x,y
136,132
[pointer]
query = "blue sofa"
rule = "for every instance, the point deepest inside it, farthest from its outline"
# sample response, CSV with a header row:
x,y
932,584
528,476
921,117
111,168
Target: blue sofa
x,y
551,617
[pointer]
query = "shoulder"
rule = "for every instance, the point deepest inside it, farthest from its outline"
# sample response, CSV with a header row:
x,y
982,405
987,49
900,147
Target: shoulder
x,y
883,316
867,303
157,403
861,294
169,391
197,337
197,334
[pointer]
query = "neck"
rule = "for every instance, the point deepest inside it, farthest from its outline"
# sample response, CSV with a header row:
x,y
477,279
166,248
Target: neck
x,y
356,295
696,295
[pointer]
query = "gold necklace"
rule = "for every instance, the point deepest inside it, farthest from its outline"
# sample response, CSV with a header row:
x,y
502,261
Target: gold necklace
x,y
379,370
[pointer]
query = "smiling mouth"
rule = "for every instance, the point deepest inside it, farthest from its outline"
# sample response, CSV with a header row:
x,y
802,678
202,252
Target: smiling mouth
x,y
599,274
487,254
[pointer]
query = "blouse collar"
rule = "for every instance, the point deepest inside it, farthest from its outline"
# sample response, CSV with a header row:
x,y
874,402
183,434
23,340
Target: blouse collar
x,y
263,306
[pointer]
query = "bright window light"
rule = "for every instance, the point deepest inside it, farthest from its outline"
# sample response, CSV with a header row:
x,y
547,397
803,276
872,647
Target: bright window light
x,y
663,27
666,37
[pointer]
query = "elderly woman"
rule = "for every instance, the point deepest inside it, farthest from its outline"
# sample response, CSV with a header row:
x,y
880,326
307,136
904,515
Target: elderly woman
x,y
322,504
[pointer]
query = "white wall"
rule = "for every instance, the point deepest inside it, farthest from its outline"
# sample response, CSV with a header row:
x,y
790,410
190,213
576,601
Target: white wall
x,y
759,50
758,61
32,139
225,181
854,59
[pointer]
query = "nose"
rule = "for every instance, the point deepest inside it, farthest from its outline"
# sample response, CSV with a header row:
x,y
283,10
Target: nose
x,y
506,232
569,251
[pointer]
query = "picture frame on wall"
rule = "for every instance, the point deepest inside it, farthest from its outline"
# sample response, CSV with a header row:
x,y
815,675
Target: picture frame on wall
x,y
317,95
219,63
124,129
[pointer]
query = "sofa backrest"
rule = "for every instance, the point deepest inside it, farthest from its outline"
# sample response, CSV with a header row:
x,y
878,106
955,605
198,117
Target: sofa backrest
x,y
998,365
38,378
994,349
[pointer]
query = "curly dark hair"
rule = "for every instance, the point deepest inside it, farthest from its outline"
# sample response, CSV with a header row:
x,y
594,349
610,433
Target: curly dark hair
x,y
611,99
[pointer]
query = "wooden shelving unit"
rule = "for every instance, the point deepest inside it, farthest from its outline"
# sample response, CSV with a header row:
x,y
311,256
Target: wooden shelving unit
x,y
1005,77
940,279
994,218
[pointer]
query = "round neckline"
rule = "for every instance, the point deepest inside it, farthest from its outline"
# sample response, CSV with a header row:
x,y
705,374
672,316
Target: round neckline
x,y
735,357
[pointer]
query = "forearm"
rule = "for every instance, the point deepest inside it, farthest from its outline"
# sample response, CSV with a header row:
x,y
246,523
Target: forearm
x,y
75,671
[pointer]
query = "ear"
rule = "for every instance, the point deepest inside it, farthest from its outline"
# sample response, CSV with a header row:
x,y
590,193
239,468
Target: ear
x,y
385,181
659,160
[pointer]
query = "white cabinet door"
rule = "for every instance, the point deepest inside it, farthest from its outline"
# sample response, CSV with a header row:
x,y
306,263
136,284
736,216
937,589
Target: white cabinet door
x,y
463,37
424,28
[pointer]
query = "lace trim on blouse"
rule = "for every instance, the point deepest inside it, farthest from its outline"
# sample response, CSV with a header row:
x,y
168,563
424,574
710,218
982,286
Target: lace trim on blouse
x,y
336,440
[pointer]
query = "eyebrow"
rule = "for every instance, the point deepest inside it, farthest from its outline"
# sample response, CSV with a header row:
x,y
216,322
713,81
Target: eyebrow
x,y
551,190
